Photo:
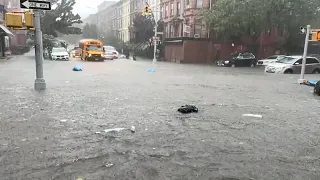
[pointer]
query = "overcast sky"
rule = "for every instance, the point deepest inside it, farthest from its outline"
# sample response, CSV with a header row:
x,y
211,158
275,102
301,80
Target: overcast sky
x,y
86,7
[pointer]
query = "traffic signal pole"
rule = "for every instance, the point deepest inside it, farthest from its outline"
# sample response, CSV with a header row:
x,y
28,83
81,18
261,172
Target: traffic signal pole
x,y
304,57
39,83
155,42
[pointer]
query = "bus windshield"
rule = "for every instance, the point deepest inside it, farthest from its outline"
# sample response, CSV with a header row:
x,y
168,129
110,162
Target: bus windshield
x,y
94,48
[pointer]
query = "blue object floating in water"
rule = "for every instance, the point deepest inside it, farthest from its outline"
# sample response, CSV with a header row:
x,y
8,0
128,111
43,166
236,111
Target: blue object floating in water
x,y
77,68
313,83
151,70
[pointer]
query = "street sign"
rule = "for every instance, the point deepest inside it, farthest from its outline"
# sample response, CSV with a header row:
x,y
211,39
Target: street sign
x,y
34,4
159,32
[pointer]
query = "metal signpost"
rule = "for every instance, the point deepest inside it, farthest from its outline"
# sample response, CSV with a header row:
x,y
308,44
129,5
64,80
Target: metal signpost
x,y
40,83
305,51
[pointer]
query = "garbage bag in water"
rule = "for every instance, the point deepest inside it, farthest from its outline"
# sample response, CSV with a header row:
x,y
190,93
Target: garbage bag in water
x,y
77,68
188,109
151,70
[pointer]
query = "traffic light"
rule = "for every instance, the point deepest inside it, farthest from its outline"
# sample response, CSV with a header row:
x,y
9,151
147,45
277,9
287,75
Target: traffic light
x,y
28,20
318,35
14,20
149,11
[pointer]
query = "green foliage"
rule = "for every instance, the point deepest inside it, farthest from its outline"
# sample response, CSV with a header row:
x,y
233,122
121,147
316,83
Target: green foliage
x,y
57,21
61,19
143,28
234,18
109,38
89,31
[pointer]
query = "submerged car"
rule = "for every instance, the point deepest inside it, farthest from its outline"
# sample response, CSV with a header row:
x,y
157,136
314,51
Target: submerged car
x,y
271,59
244,59
293,64
59,54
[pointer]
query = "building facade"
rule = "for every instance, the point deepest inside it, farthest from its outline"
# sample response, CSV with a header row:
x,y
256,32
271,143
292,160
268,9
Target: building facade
x,y
125,18
180,18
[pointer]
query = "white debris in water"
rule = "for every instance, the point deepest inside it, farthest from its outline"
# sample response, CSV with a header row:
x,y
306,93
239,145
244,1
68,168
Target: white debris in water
x,y
63,120
115,129
67,81
98,132
109,165
252,115
240,142
133,129
23,139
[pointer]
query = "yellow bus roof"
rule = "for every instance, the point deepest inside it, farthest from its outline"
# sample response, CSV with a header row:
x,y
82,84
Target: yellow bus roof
x,y
86,40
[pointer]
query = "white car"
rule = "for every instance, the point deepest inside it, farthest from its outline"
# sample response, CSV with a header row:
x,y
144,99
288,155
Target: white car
x,y
293,65
113,50
271,59
59,54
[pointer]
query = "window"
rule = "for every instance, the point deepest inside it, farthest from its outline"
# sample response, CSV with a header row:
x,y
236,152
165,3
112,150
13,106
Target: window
x,y
199,4
171,10
311,61
166,10
161,12
197,27
171,31
178,8
187,2
299,61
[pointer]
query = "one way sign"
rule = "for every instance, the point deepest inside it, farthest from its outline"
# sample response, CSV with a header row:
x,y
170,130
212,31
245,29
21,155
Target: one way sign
x,y
34,4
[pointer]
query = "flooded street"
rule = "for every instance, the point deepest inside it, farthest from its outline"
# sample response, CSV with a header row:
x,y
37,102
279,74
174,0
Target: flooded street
x,y
60,133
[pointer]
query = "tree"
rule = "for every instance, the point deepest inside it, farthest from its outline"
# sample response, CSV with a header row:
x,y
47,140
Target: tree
x,y
232,19
143,28
89,31
61,19
110,39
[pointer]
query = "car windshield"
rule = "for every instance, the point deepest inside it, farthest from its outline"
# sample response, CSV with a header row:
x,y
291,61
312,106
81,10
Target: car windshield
x,y
94,48
110,48
286,60
58,50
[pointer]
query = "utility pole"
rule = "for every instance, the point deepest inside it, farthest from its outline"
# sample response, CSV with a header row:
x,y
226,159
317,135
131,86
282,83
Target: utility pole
x,y
155,43
39,83
304,57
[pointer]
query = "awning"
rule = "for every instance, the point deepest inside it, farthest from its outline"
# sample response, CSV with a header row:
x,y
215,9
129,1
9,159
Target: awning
x,y
6,30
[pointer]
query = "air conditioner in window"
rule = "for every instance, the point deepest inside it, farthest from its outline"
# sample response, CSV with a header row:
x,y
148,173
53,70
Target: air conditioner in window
x,y
187,6
196,35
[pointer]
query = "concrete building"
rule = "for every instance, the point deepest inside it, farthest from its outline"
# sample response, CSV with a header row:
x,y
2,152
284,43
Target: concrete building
x,y
125,21
105,4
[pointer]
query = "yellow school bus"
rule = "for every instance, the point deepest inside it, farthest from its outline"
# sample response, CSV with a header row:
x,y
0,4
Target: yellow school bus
x,y
91,49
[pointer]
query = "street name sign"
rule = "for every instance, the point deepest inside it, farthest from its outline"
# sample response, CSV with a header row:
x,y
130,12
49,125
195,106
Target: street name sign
x,y
34,4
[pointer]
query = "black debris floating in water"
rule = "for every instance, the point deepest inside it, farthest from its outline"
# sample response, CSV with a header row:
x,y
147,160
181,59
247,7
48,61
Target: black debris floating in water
x,y
188,109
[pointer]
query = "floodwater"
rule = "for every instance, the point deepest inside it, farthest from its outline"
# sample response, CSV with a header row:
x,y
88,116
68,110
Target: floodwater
x,y
63,133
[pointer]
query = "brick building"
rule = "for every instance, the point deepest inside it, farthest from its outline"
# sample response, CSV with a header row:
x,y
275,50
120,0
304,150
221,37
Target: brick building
x,y
180,18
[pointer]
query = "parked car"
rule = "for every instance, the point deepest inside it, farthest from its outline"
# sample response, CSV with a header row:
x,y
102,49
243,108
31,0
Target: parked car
x,y
244,59
271,59
113,50
108,55
59,54
293,64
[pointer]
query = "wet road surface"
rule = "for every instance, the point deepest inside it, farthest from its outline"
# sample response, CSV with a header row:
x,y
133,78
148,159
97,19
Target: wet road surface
x,y
59,134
